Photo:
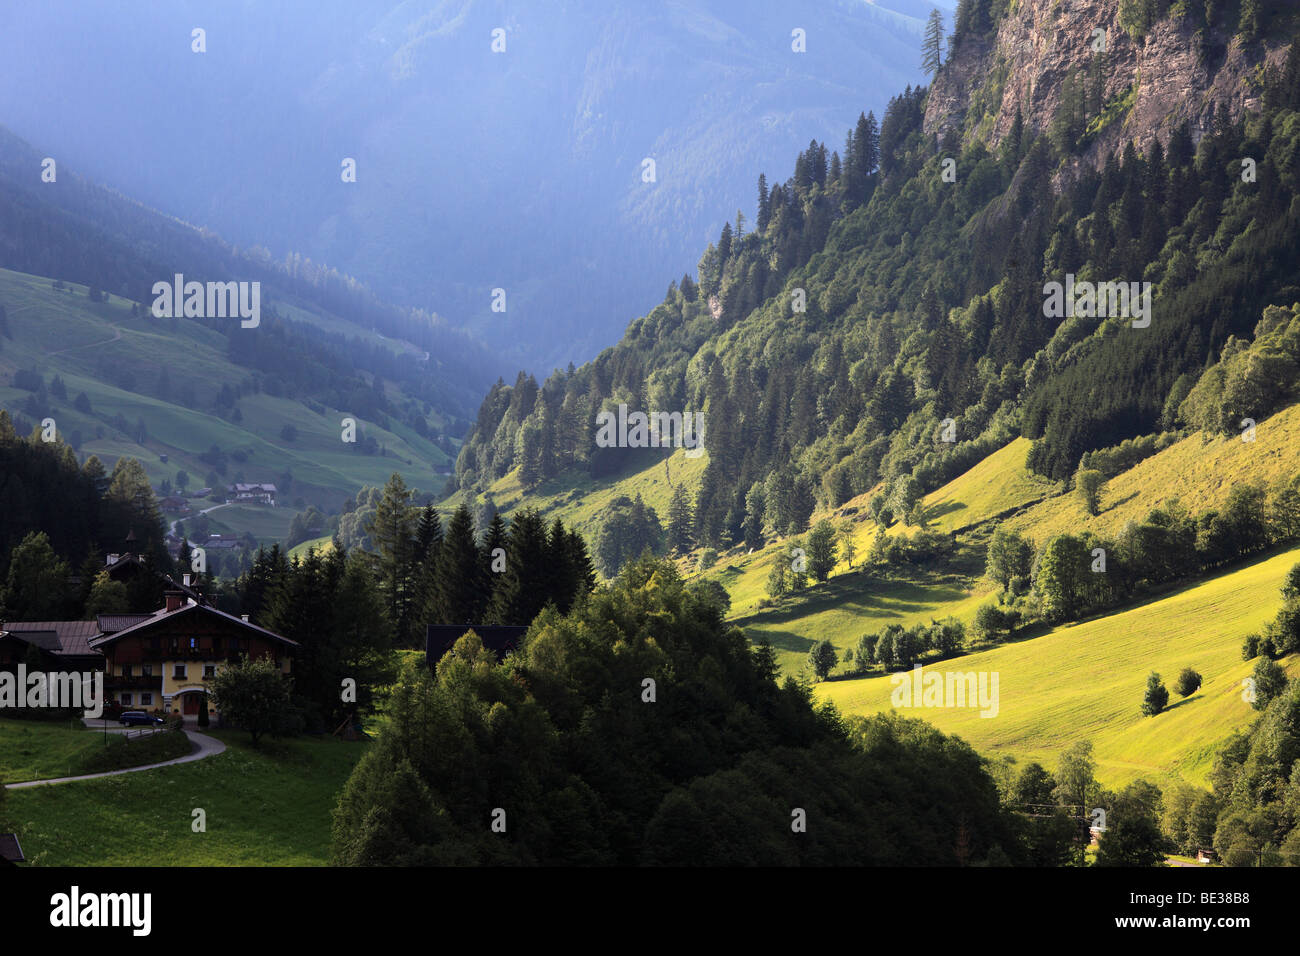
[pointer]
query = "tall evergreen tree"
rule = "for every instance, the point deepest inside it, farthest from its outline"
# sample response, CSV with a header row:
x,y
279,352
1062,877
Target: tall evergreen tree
x,y
460,587
680,521
526,585
392,532
932,43
764,205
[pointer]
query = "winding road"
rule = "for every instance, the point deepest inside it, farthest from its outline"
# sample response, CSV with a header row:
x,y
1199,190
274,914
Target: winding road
x,y
204,746
172,529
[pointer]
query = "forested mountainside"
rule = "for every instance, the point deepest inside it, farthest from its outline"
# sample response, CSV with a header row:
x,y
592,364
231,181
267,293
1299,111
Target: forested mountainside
x,y
886,313
317,338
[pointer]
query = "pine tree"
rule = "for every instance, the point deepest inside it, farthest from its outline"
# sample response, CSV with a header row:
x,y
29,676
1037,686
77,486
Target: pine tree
x,y
584,573
724,245
932,44
526,586
680,521
459,587
867,141
764,205
752,529
392,531
428,542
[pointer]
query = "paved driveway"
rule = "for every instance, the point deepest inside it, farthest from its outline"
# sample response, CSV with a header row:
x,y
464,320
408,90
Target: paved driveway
x,y
204,746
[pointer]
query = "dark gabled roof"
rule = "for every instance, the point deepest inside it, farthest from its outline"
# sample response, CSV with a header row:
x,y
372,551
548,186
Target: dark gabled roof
x,y
45,640
161,615
125,561
501,638
10,850
57,637
112,623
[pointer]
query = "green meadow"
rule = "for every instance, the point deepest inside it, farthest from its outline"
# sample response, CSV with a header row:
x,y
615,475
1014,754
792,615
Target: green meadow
x,y
117,360
1085,681
267,806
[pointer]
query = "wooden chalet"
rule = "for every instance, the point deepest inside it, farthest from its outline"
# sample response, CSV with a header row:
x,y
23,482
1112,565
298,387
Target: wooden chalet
x,y
165,660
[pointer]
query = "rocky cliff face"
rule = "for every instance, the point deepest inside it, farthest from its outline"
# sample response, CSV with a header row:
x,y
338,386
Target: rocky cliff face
x,y
1153,83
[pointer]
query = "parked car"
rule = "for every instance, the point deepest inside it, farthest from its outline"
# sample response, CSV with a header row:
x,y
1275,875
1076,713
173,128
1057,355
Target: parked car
x,y
136,717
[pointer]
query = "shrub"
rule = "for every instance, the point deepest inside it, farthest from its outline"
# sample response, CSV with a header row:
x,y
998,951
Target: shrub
x,y
1156,697
1188,683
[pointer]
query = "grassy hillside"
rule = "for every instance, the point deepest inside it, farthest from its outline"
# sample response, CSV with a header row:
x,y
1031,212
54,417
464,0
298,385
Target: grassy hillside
x,y
265,807
852,603
1085,681
581,502
33,749
998,484
322,544
117,361
1199,471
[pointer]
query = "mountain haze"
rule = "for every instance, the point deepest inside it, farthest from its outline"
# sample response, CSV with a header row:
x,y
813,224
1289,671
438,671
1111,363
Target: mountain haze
x,y
520,170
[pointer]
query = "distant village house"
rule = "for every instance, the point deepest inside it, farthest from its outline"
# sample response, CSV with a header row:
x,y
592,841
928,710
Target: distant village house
x,y
263,492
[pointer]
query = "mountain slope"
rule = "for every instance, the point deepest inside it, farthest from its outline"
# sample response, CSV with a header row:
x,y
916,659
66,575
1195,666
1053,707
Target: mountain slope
x,y
834,346
175,382
1085,682
75,230
476,170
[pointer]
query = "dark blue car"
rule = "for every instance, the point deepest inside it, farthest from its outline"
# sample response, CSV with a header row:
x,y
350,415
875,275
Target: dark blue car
x,y
136,717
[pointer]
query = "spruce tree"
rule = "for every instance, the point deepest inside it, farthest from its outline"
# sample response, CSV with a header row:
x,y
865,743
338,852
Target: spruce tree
x,y
680,521
458,592
932,44
523,589
392,531
581,568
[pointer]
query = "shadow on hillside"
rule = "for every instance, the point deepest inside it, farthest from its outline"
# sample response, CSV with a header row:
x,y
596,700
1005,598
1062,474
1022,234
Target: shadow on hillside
x,y
1196,695
863,594
787,641
935,512
1121,501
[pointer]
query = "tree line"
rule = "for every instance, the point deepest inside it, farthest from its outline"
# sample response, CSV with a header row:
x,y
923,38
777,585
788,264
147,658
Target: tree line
x,y
428,573
1072,575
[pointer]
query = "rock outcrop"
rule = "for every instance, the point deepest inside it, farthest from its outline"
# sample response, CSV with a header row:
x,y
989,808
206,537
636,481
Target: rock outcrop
x,y
1025,65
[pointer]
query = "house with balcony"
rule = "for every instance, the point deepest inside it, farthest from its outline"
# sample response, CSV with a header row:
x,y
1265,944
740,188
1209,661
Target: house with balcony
x,y
166,660
257,491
